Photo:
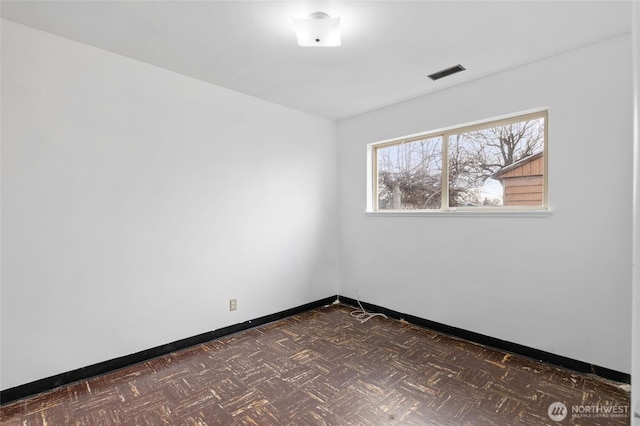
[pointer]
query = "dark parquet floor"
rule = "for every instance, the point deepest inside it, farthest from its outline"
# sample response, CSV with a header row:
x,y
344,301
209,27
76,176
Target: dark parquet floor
x,y
324,367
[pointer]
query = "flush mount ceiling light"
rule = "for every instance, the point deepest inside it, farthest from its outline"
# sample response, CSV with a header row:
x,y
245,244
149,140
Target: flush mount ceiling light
x,y
319,29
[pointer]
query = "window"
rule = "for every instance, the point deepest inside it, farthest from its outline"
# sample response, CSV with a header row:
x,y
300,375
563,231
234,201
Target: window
x,y
497,165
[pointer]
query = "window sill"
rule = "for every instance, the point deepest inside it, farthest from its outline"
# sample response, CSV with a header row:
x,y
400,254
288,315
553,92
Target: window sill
x,y
459,213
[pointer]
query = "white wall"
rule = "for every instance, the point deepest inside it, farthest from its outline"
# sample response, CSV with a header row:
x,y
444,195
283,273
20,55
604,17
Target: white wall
x,y
559,283
635,353
136,202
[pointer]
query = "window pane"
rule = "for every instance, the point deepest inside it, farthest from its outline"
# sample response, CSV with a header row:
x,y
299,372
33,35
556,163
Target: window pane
x,y
497,166
410,175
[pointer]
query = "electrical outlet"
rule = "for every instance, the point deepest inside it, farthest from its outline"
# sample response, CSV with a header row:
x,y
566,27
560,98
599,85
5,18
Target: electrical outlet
x,y
233,304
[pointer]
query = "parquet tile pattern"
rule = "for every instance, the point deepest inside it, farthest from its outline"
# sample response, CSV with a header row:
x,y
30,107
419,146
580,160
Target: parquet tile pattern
x,y
324,367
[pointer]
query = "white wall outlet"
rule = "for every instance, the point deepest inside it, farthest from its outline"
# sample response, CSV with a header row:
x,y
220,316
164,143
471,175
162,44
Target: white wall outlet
x,y
233,304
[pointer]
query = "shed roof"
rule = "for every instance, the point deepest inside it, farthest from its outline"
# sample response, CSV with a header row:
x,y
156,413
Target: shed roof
x,y
517,164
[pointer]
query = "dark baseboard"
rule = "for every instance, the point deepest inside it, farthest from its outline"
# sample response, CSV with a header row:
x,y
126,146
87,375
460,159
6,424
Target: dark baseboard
x,y
514,348
42,385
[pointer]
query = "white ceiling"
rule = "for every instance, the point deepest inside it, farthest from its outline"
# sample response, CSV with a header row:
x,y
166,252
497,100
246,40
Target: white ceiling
x,y
388,47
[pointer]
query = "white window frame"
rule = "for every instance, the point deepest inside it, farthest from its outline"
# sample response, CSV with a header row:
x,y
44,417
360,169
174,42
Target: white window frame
x,y
445,210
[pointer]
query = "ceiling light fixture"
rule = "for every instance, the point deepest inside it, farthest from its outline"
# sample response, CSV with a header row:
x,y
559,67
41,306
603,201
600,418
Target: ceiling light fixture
x,y
319,29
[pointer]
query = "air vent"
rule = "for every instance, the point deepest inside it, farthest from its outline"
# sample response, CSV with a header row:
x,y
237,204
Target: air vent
x,y
445,72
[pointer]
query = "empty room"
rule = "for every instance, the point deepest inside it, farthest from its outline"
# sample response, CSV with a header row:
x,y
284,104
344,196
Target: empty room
x,y
319,213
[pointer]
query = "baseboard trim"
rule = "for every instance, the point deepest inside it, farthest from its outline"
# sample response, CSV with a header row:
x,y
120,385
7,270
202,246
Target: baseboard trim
x,y
514,348
49,383
84,373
